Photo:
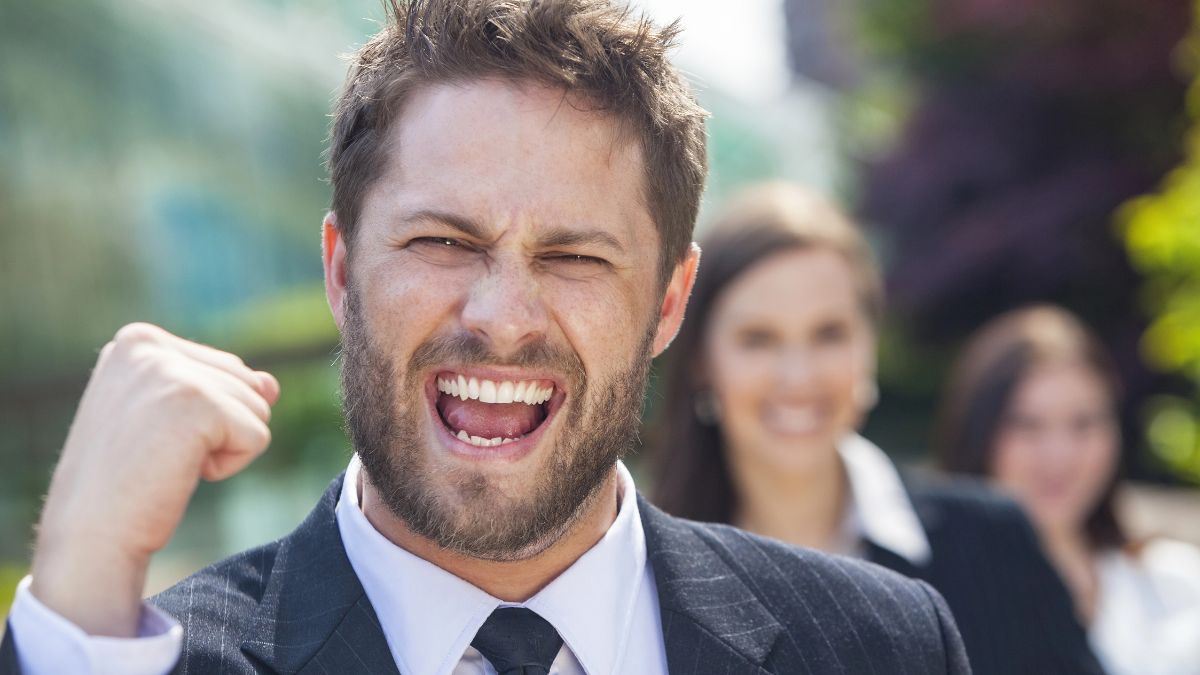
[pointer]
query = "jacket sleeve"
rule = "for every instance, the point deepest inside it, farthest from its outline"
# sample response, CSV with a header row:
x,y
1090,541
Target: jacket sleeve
x,y
954,653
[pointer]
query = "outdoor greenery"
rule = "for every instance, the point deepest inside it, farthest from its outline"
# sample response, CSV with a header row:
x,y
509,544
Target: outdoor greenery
x,y
1029,124
1162,233
162,162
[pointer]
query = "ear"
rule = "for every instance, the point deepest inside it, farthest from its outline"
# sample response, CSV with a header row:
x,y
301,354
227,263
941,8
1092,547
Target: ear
x,y
333,255
866,391
670,314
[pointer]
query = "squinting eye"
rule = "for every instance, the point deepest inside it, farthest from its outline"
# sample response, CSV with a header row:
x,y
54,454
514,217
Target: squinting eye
x,y
442,250
436,241
574,259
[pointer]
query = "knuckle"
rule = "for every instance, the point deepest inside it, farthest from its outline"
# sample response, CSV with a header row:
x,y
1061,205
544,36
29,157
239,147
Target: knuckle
x,y
182,390
264,433
106,350
136,333
261,437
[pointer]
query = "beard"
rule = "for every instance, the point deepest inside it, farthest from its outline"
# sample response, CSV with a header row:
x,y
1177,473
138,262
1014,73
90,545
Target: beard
x,y
465,510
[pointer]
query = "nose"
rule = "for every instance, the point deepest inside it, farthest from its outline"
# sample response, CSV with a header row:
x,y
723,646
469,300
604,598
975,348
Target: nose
x,y
1060,446
796,367
505,307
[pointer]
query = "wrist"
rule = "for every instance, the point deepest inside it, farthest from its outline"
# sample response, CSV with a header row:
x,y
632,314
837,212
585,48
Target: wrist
x,y
91,582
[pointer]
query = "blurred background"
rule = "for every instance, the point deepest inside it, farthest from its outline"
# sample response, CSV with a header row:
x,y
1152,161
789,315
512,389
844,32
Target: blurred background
x,y
161,161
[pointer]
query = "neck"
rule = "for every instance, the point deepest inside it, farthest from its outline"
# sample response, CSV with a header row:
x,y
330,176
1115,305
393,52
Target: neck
x,y
1072,557
804,507
510,581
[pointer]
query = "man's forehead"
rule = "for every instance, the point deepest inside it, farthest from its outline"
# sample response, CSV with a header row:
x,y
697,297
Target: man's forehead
x,y
485,113
495,150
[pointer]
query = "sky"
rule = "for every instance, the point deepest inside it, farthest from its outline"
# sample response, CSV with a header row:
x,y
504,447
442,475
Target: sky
x,y
739,52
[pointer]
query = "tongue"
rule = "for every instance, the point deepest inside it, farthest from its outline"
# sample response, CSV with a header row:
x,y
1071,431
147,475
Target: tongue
x,y
489,420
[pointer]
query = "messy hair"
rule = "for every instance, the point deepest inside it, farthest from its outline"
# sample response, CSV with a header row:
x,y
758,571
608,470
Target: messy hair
x,y
596,51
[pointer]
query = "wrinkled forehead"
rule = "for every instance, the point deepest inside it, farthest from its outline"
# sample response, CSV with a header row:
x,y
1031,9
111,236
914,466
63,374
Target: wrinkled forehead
x,y
498,149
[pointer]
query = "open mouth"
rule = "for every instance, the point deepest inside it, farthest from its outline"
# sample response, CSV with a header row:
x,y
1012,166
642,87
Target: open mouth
x,y
488,413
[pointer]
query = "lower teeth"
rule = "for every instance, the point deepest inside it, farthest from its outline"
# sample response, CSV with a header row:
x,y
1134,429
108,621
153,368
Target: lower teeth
x,y
483,442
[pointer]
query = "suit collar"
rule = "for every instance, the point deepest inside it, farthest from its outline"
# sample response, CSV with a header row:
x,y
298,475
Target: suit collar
x,y
705,604
313,613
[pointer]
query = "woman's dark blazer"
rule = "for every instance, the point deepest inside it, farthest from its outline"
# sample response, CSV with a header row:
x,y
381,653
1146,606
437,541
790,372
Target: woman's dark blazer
x,y
1012,609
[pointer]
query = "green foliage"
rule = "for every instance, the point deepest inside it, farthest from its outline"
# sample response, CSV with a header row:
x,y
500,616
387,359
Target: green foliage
x,y
10,575
1162,235
162,163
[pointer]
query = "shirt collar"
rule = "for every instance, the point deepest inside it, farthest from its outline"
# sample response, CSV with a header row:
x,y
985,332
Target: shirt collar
x,y
879,507
430,616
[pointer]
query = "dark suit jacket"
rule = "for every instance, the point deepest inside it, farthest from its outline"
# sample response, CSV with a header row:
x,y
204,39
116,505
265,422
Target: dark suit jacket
x,y
1014,613
730,602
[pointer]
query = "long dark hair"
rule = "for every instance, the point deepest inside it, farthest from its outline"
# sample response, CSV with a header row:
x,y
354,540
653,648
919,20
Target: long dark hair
x,y
982,383
692,477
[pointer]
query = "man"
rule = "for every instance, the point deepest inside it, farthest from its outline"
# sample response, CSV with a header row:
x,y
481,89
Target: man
x,y
514,189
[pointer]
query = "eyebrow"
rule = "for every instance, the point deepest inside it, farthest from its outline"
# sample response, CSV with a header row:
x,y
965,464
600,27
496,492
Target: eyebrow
x,y
557,236
461,223
561,236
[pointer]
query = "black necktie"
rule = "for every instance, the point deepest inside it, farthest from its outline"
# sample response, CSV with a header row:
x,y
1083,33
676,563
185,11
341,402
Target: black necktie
x,y
516,641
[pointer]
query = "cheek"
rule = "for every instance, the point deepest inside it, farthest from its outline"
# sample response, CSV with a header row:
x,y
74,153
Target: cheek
x,y
740,381
405,305
1013,463
603,323
1098,462
845,371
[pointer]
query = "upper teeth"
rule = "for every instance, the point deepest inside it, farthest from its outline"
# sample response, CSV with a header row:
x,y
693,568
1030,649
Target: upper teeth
x,y
490,391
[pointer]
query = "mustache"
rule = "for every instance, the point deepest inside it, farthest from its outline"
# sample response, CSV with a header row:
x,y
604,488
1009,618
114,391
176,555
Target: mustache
x,y
469,349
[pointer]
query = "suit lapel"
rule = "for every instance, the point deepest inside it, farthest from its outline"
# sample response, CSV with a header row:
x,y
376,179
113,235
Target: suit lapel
x,y
314,615
709,615
8,653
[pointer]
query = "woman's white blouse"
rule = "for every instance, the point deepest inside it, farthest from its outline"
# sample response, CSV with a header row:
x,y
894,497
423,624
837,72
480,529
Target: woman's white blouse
x,y
1148,612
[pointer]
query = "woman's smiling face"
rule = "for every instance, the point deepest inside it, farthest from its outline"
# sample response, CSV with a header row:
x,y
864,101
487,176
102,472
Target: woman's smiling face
x,y
1057,445
790,357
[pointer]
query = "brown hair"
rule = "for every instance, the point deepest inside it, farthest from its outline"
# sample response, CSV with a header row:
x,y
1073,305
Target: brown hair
x,y
985,377
613,60
692,478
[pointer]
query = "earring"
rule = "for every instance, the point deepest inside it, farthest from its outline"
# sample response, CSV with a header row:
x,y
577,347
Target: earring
x,y
707,408
868,396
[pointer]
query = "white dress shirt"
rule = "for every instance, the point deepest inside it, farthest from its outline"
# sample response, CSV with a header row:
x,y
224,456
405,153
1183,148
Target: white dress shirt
x,y
877,505
605,607
1148,610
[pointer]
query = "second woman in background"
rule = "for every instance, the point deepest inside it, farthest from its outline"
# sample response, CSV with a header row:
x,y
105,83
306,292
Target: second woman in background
x,y
767,383
1032,405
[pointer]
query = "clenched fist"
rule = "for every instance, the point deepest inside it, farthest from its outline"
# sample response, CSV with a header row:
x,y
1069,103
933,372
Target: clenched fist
x,y
158,414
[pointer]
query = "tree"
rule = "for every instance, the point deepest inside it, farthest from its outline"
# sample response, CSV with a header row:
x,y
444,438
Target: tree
x,y
1035,121
1162,234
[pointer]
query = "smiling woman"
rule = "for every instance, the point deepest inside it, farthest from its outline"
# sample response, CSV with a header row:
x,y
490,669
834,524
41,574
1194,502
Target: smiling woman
x,y
1032,405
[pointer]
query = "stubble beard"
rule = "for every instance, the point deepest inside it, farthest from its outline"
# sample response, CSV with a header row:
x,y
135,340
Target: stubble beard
x,y
463,510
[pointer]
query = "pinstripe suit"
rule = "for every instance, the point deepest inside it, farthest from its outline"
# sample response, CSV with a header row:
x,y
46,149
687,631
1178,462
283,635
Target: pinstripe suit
x,y
731,603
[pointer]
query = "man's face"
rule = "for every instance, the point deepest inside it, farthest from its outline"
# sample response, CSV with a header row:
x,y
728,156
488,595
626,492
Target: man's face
x,y
499,310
